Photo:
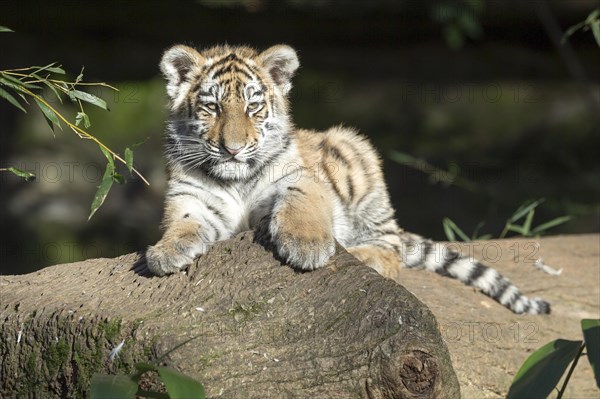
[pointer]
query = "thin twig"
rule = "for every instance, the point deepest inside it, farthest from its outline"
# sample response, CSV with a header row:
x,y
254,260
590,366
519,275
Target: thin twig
x,y
56,81
82,133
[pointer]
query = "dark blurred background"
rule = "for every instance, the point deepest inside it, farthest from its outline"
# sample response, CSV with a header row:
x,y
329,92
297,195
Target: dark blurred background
x,y
480,88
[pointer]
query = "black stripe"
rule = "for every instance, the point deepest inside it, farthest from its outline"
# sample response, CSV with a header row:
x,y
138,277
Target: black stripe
x,y
350,187
242,68
181,193
526,307
189,183
543,307
334,184
196,186
231,68
449,261
335,153
428,245
199,90
501,288
296,189
387,232
477,271
211,225
222,72
221,61
361,160
217,213
202,93
272,103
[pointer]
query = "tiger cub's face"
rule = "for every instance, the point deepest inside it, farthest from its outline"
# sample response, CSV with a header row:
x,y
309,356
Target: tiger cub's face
x,y
229,108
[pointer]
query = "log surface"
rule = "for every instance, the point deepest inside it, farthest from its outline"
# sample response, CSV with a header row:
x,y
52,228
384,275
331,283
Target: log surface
x,y
264,330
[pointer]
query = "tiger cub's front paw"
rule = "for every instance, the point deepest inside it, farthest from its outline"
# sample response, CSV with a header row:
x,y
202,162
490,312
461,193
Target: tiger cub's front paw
x,y
171,256
164,259
304,250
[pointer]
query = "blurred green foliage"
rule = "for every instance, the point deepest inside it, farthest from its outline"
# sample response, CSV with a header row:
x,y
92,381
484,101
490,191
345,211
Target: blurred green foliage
x,y
502,113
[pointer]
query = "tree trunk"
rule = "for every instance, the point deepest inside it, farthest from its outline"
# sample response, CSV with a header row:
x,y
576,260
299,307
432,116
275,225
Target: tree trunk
x,y
264,330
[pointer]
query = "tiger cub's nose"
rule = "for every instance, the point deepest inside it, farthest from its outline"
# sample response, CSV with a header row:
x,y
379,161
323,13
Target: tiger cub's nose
x,y
234,149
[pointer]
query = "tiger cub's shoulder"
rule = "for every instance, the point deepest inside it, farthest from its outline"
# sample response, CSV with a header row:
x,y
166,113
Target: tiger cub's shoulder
x,y
340,144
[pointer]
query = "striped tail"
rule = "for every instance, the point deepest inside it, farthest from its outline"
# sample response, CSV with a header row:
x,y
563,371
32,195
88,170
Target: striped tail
x,y
436,257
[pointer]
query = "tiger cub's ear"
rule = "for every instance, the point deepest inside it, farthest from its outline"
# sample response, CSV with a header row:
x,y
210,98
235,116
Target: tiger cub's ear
x,y
281,62
175,65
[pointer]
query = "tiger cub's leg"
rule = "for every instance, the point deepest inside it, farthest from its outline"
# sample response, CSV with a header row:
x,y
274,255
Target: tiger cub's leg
x,y
301,225
384,260
191,226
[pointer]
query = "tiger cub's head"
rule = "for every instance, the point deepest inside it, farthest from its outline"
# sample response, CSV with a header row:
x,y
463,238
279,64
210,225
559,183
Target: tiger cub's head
x,y
229,108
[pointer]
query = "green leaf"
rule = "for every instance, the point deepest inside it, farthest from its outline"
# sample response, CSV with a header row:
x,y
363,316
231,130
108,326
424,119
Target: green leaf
x,y
527,225
88,98
596,31
49,84
15,83
5,29
103,189
112,387
11,99
109,156
49,68
548,225
20,82
515,228
571,30
50,116
402,158
80,76
129,159
58,70
591,336
21,173
524,210
593,17
179,385
543,369
450,228
82,116
143,367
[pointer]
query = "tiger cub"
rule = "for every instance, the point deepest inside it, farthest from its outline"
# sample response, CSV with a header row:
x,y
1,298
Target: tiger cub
x,y
236,162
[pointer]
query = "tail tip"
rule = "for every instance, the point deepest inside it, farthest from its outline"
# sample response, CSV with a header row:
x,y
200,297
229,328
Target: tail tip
x,y
541,306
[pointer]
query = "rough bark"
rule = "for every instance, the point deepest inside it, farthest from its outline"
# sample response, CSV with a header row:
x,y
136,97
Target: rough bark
x,y
263,329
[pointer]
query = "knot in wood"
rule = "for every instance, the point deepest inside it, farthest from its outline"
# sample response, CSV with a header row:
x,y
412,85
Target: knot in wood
x,y
419,373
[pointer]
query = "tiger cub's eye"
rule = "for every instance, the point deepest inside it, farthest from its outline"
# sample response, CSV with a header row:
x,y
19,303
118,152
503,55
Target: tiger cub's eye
x,y
214,107
254,106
